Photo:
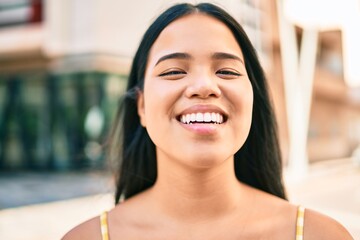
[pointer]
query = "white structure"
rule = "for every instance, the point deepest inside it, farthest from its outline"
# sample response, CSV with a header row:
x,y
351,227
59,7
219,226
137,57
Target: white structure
x,y
299,66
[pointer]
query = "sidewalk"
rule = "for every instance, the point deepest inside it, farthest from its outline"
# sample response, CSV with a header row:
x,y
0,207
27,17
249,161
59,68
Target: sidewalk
x,y
30,212
26,188
332,188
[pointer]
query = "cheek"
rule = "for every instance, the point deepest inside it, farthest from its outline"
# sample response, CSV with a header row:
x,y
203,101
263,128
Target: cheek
x,y
161,96
241,97
242,100
151,110
153,120
160,99
248,103
245,114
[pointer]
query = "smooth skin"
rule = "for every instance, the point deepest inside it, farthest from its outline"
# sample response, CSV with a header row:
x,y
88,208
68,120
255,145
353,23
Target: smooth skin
x,y
195,66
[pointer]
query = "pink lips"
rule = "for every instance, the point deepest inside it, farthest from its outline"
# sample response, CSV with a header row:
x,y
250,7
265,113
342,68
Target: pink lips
x,y
202,129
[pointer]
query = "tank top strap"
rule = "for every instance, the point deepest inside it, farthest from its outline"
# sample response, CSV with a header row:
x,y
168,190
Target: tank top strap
x,y
104,226
300,223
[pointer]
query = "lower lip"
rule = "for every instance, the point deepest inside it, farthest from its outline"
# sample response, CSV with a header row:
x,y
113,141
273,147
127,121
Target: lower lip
x,y
202,128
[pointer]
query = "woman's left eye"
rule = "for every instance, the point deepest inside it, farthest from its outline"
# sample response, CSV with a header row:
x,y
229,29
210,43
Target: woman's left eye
x,y
228,73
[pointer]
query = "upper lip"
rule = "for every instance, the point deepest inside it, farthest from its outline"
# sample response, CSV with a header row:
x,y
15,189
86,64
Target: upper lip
x,y
202,108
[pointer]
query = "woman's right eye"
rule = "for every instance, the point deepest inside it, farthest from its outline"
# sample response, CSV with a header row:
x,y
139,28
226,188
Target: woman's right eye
x,y
172,73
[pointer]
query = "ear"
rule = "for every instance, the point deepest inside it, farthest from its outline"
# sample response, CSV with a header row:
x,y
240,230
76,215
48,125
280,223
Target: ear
x,y
141,107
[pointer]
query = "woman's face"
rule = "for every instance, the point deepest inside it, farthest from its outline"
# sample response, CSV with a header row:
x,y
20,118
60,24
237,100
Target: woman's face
x,y
197,99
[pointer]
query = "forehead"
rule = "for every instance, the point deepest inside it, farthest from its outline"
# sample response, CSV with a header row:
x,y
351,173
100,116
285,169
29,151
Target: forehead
x,y
196,34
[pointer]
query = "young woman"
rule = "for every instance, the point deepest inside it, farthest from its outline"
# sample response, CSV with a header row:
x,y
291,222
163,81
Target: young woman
x,y
197,142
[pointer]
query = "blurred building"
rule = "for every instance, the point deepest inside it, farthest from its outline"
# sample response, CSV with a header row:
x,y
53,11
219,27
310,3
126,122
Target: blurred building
x,y
63,68
327,34
57,95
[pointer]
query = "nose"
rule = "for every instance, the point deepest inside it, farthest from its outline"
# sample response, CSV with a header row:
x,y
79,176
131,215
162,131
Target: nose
x,y
203,87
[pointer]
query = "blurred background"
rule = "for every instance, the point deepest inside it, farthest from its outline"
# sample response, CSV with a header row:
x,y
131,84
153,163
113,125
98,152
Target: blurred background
x,y
63,68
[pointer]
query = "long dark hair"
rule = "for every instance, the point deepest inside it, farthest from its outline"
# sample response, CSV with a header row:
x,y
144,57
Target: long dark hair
x,y
257,163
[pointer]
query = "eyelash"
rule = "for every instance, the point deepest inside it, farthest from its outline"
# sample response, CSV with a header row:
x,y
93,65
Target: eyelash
x,y
226,72
174,72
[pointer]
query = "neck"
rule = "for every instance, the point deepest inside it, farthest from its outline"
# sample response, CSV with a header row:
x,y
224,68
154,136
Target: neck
x,y
209,192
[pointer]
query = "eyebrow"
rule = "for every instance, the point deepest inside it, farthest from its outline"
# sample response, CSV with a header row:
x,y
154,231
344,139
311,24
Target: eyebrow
x,y
177,55
216,56
223,55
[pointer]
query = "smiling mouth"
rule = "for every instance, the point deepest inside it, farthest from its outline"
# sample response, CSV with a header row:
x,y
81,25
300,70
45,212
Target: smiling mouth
x,y
202,118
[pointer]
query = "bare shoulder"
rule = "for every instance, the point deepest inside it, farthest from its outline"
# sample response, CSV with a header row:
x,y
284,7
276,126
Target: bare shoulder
x,y
318,226
283,214
89,230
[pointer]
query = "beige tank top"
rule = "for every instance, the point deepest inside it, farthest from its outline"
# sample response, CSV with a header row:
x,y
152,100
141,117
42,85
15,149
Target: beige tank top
x,y
104,226
299,224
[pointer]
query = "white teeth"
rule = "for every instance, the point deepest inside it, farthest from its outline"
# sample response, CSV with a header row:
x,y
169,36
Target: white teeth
x,y
207,117
193,117
187,118
199,117
183,118
213,117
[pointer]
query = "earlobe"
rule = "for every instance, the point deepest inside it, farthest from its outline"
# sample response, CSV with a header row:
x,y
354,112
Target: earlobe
x,y
141,107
